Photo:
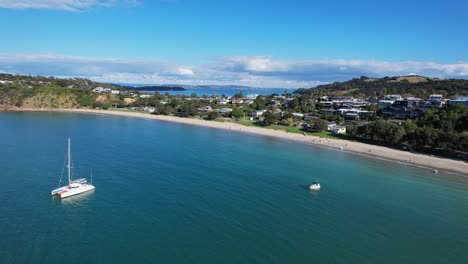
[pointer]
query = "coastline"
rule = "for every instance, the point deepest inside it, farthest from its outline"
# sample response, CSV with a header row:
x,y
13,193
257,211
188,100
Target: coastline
x,y
372,151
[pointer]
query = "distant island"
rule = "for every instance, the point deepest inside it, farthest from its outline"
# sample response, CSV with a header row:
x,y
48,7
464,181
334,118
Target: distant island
x,y
155,88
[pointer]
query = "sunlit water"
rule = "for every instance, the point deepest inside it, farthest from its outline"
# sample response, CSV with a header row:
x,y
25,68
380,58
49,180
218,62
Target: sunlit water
x,y
174,193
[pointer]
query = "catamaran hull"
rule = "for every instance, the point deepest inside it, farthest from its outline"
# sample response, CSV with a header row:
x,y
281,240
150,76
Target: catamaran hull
x,y
65,192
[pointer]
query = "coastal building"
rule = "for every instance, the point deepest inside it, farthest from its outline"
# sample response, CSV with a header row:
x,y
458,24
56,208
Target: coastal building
x,y
392,97
149,109
205,109
98,89
278,112
225,110
338,129
248,102
326,111
237,100
436,97
385,103
222,102
275,102
257,113
459,100
330,125
251,96
145,95
310,117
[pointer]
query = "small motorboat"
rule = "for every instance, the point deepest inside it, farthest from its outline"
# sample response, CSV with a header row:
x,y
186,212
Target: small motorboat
x,y
315,186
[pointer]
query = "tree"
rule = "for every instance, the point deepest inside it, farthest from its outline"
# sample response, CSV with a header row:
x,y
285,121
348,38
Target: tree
x,y
237,113
186,110
352,130
260,103
320,124
212,115
270,118
239,95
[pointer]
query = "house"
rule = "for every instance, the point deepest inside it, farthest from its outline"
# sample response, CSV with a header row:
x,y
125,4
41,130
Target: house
x,y
145,95
392,97
436,97
397,122
258,113
237,100
278,112
207,100
149,109
248,102
309,117
222,102
326,111
385,103
459,100
205,109
305,126
98,89
351,116
330,125
275,102
223,111
338,129
298,115
251,96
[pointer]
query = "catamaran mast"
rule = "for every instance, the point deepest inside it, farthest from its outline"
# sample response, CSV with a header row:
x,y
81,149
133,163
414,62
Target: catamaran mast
x,y
69,167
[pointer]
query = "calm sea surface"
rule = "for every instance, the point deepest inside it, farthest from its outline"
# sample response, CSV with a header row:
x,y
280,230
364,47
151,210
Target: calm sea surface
x,y
174,193
227,92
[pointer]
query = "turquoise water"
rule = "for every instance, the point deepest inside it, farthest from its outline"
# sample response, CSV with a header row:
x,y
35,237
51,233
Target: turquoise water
x,y
174,193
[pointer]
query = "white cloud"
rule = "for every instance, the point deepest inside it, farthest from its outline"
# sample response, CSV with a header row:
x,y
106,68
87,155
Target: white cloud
x,y
68,5
250,71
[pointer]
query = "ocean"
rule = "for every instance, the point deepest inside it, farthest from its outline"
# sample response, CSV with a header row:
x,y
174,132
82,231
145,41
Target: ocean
x,y
226,92
176,193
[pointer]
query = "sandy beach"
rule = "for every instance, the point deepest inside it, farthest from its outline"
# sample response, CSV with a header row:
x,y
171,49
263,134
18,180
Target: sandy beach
x,y
408,158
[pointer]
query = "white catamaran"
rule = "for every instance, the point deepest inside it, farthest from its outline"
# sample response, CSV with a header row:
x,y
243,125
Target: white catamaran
x,y
74,187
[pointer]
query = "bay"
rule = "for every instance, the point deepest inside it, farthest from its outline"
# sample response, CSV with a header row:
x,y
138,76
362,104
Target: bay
x,y
175,193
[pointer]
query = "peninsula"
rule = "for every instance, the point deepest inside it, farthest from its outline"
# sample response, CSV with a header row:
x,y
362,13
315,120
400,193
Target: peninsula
x,y
430,133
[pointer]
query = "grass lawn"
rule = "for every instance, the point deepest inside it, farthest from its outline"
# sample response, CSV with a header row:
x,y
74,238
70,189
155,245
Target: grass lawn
x,y
325,135
127,110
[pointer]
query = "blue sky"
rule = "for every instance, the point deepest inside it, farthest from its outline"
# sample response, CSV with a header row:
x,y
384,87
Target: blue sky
x,y
286,44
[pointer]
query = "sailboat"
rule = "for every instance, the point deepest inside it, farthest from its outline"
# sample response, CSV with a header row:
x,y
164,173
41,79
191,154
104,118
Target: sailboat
x,y
74,187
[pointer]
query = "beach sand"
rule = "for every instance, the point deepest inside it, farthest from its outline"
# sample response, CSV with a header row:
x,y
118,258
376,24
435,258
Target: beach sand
x,y
408,158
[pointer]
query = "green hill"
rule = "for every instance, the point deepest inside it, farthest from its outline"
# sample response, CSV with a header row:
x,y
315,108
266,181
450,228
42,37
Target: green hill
x,y
50,92
365,87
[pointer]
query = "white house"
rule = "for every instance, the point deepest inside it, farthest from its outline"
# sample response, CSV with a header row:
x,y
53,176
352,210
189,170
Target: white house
x,y
98,89
257,113
225,110
145,95
393,97
338,129
251,96
330,126
436,97
149,109
298,115
222,102
207,108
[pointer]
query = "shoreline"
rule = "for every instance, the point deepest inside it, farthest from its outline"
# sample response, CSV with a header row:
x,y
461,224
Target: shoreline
x,y
372,151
